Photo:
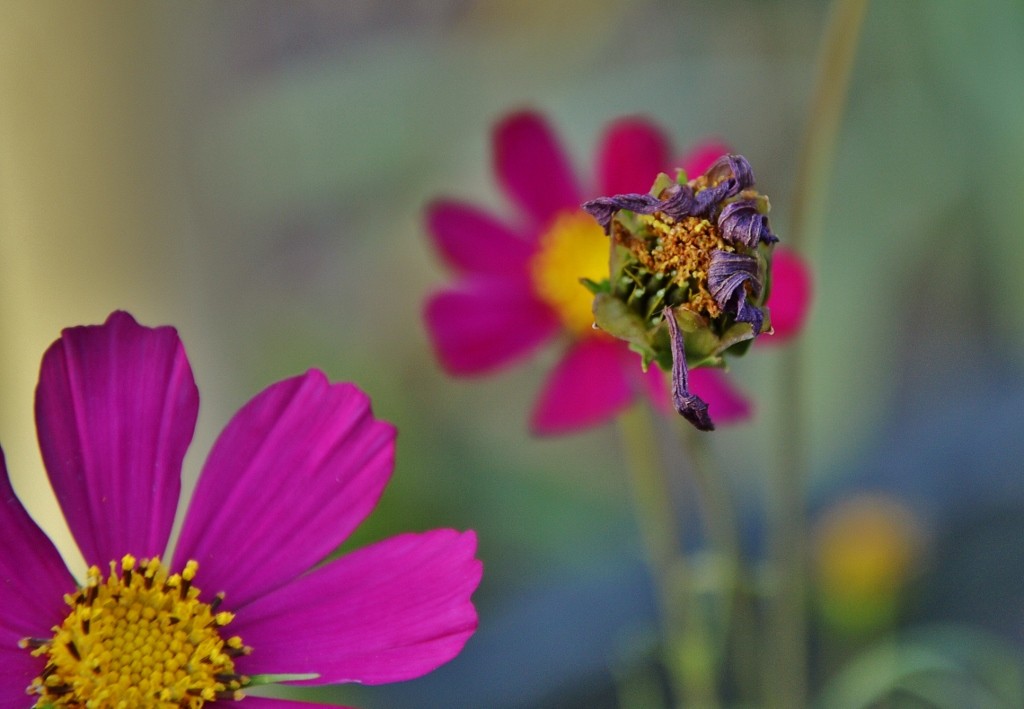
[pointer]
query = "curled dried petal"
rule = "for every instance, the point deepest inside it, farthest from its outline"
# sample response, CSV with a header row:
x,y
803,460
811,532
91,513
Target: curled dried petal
x,y
689,405
740,222
729,276
604,209
678,203
727,177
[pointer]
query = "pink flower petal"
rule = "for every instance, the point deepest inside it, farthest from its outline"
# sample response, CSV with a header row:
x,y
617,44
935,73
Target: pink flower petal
x,y
475,242
485,324
33,577
532,168
633,152
701,156
251,702
790,296
33,581
588,387
115,409
725,403
17,670
293,473
389,612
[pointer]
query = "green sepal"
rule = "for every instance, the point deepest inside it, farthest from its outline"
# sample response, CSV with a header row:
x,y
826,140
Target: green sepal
x,y
736,339
702,344
662,182
277,679
595,287
615,318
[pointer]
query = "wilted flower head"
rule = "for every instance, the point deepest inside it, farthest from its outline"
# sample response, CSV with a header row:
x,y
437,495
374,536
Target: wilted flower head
x,y
517,280
689,272
243,593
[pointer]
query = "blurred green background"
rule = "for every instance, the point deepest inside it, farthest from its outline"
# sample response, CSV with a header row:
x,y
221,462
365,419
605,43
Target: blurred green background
x,y
255,174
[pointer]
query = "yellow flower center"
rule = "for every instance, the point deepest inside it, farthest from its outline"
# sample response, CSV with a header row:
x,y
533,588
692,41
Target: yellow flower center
x,y
573,247
139,639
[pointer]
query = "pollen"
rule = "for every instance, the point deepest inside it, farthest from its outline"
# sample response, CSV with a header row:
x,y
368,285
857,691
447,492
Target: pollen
x,y
138,639
573,247
680,250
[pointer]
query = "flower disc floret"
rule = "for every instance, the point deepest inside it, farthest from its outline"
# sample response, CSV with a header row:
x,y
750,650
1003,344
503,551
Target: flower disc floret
x,y
138,638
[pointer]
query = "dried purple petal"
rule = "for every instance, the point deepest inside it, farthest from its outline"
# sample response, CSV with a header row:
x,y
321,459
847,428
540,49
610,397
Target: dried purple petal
x,y
689,405
728,176
728,277
741,223
678,203
603,209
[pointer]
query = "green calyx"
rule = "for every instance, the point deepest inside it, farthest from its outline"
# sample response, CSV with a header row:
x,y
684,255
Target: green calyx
x,y
630,306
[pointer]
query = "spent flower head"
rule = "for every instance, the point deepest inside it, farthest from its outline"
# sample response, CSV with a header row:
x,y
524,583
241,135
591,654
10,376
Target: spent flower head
x,y
518,280
243,599
689,272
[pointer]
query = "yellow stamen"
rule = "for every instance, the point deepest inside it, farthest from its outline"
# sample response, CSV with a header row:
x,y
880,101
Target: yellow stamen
x,y
140,638
573,247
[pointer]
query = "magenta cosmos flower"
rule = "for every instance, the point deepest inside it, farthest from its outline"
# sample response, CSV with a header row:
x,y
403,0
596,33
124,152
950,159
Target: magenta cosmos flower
x,y
518,283
293,473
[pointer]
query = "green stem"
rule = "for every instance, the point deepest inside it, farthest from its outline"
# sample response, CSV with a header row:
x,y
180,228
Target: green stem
x,y
688,658
785,643
737,636
838,51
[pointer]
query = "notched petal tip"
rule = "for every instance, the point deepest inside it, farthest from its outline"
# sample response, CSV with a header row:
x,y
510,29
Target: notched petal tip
x,y
116,407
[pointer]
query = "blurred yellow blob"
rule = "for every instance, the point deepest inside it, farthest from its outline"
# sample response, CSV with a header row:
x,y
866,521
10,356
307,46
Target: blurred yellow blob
x,y
866,549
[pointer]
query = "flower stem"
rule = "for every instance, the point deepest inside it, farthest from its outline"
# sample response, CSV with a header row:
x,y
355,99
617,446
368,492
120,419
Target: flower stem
x,y
688,654
784,645
737,634
835,66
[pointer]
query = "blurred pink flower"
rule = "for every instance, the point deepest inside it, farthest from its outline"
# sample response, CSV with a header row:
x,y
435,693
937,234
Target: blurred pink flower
x,y
291,476
518,284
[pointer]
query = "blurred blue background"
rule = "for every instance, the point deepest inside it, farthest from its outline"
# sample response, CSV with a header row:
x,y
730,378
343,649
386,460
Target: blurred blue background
x,y
255,174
